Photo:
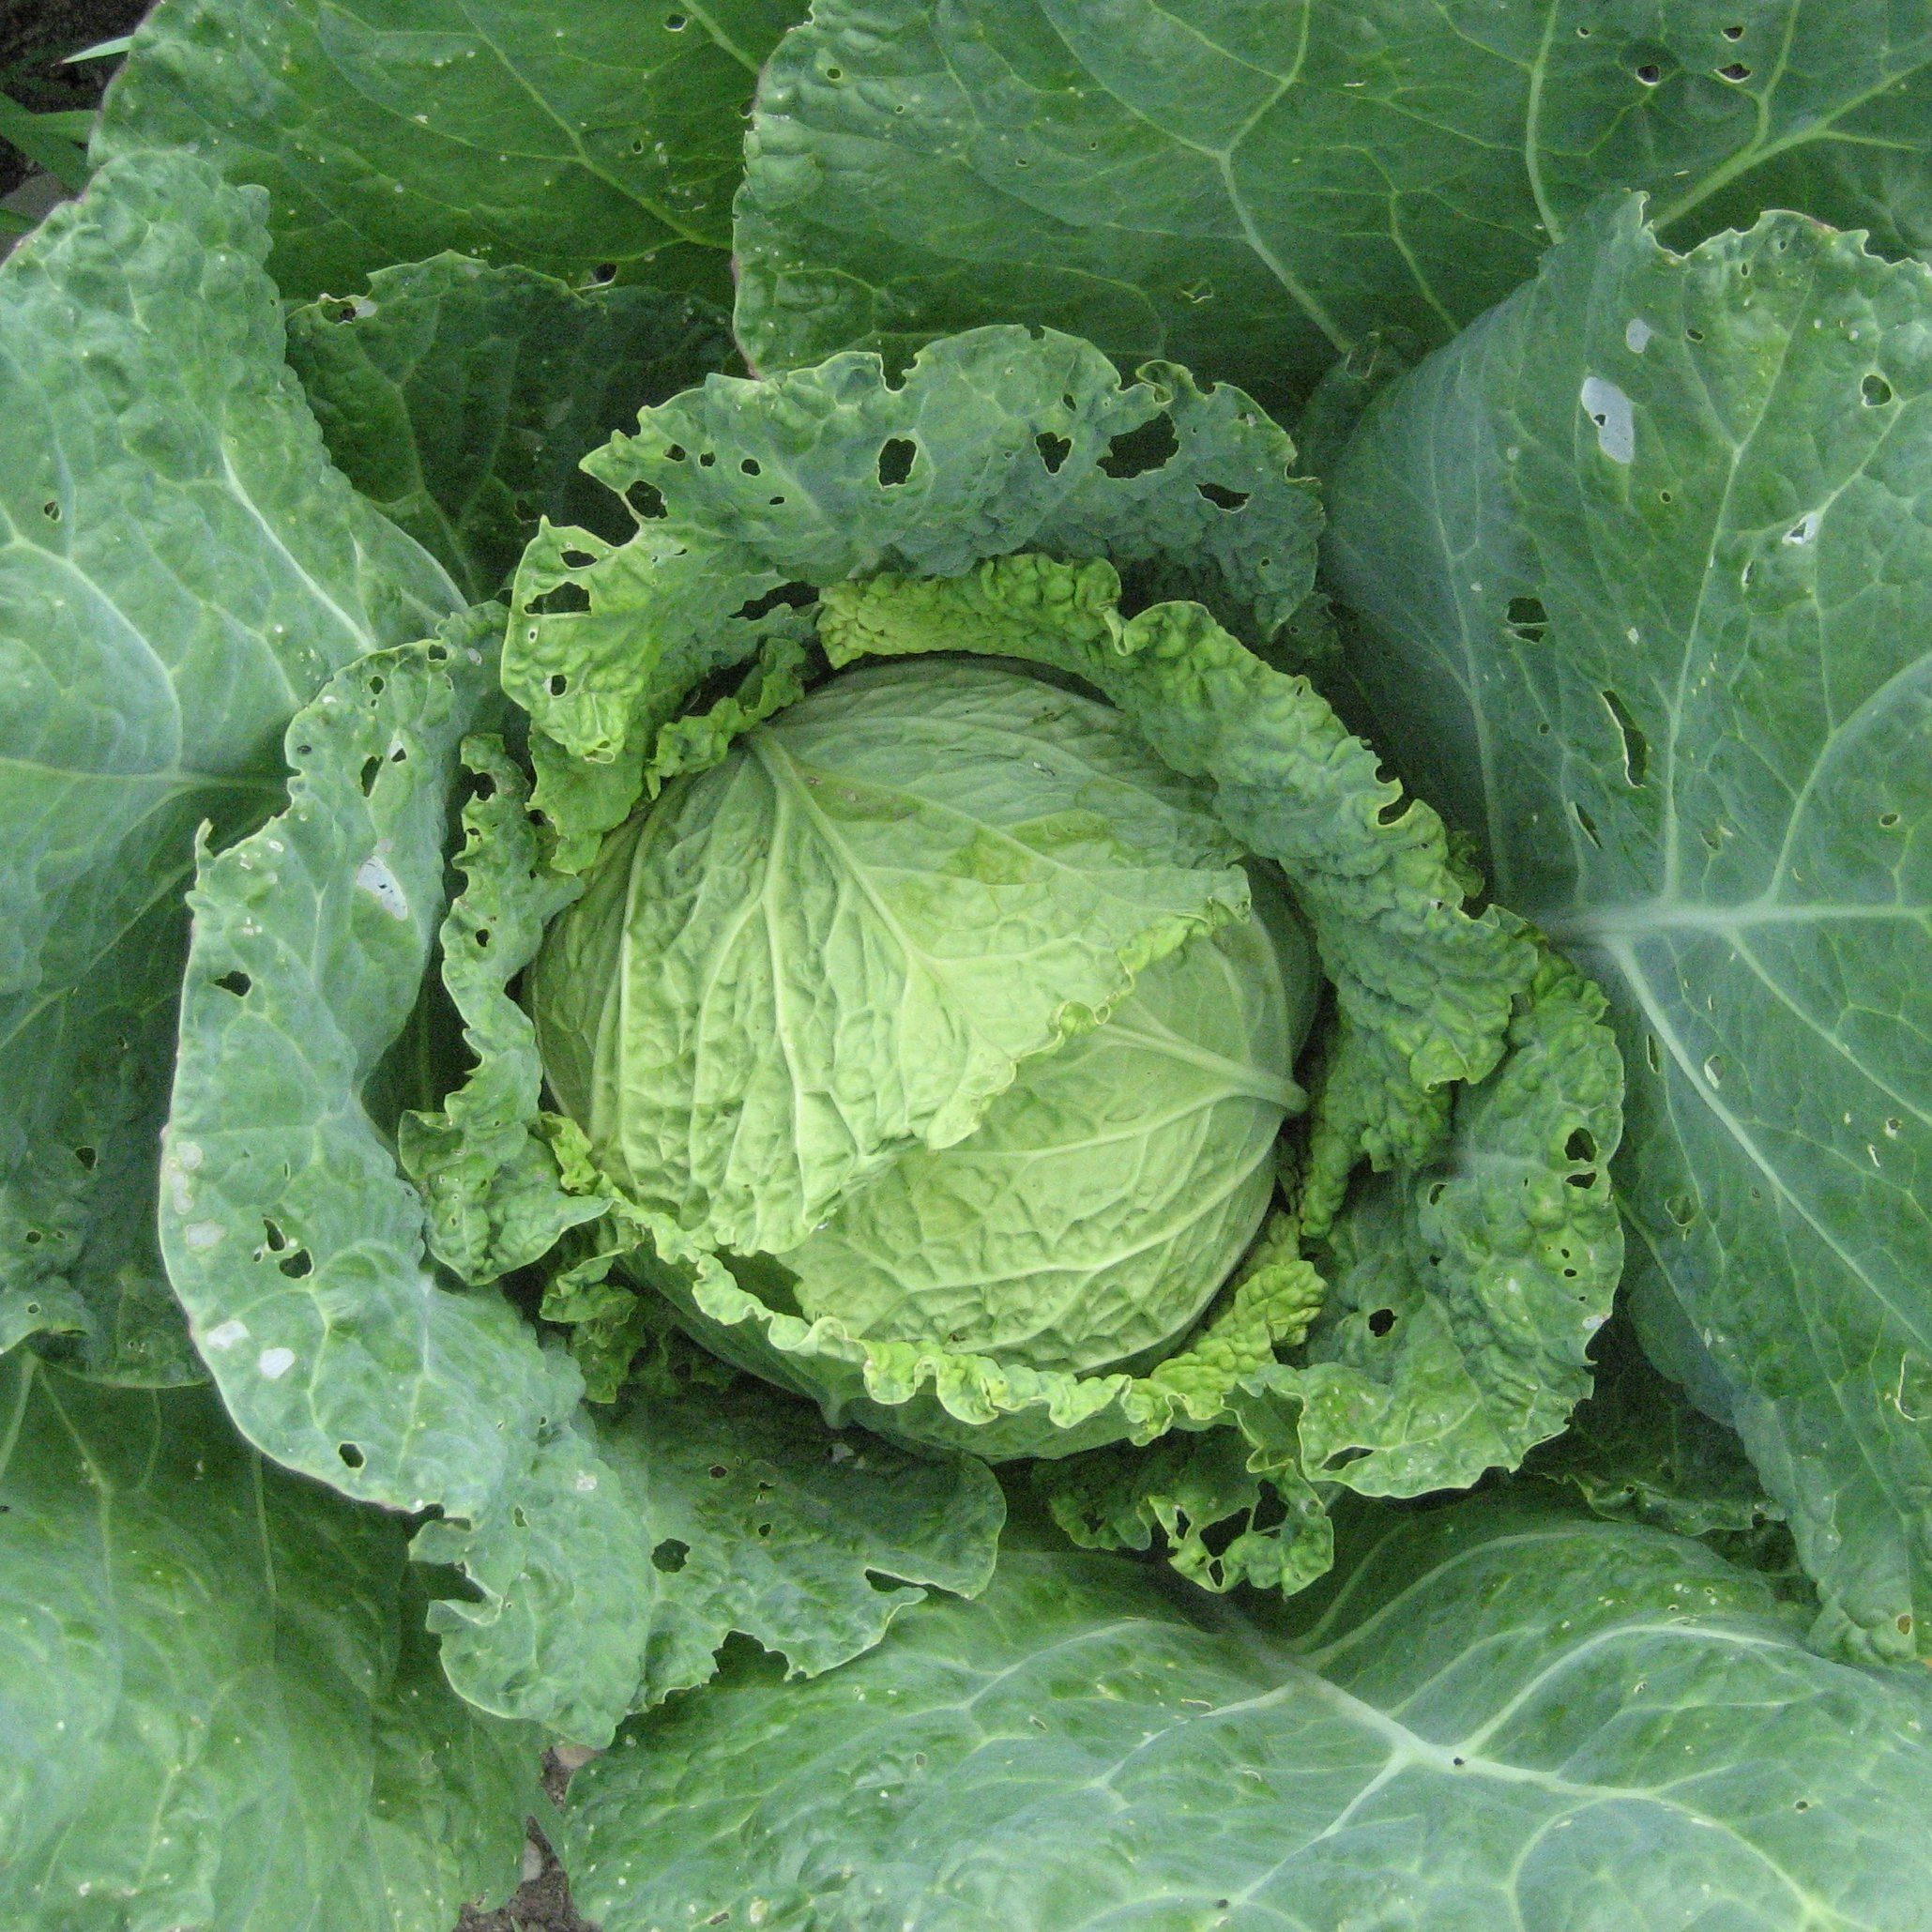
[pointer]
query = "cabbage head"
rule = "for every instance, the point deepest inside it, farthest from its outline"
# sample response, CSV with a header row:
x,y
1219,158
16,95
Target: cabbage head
x,y
886,903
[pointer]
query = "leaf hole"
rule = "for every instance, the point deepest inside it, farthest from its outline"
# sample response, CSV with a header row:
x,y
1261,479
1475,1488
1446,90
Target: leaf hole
x,y
1694,335
1527,618
351,1454
1735,71
604,271
237,982
1587,822
1649,73
1343,1457
86,1157
1636,747
1888,819
750,466
798,596
1054,451
1221,497
1133,452
50,512
647,501
1734,32
1651,1055
372,767
718,1473
578,559
896,454
1876,390
1381,1321
675,23
272,1235
296,1265
670,1556
764,1528
556,683
1437,1190
708,459
562,601
481,936
1681,1210
1581,1146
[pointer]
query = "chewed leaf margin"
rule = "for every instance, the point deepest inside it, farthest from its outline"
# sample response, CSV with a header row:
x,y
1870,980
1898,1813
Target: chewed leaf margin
x,y
297,1248
751,496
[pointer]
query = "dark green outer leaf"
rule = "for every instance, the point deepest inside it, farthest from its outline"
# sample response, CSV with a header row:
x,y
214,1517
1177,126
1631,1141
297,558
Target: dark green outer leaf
x,y
180,568
1252,186
217,1705
1637,1449
580,138
1490,1715
1645,569
460,397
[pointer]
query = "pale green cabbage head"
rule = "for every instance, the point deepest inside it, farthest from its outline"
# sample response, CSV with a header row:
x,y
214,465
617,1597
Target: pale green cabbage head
x,y
951,951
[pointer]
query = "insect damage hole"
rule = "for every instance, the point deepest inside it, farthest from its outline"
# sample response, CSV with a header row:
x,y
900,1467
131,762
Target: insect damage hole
x,y
1133,452
670,1556
1636,747
1528,620
1221,497
1054,451
897,455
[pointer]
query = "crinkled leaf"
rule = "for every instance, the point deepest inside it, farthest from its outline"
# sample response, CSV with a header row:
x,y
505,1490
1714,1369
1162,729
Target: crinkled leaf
x,y
771,1527
955,928
1643,563
1488,1715
488,1176
1108,1192
1463,1294
1251,188
993,442
581,140
460,397
218,1706
1423,989
1221,1523
296,1247
180,568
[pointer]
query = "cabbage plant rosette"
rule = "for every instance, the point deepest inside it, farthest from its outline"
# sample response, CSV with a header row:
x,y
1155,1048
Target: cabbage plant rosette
x,y
982,990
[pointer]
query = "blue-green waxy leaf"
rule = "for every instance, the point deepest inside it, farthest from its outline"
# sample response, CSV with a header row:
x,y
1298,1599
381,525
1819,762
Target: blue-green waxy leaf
x,y
1642,565
219,1705
459,397
1491,1714
297,1248
1253,188
180,568
587,140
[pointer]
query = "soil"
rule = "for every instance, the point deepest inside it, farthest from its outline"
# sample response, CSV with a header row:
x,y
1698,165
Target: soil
x,y
541,1904
35,37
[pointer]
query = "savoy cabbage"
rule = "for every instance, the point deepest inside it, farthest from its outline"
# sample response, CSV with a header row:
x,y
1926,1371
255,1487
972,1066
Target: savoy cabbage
x,y
858,1051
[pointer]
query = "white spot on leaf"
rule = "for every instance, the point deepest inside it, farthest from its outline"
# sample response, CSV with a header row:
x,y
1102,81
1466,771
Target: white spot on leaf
x,y
1805,529
203,1235
276,1362
375,879
1637,335
1610,409
227,1335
